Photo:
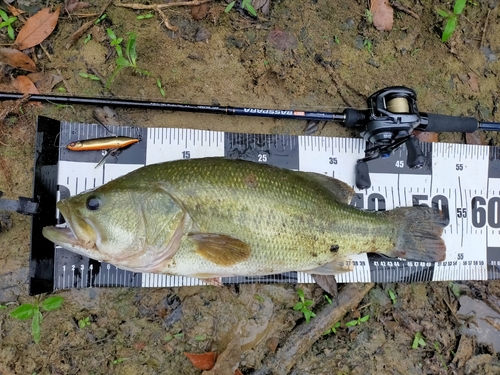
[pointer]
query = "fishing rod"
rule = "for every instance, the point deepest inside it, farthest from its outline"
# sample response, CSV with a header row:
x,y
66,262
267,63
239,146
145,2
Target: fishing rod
x,y
388,121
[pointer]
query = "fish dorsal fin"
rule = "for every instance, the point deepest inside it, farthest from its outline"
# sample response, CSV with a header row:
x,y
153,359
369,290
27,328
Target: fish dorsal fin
x,y
340,190
220,249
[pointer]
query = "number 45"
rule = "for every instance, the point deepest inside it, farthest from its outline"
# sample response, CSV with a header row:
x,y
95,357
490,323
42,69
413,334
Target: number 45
x,y
400,164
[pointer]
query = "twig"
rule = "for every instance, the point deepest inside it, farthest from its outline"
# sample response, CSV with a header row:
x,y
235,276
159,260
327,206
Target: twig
x,y
404,9
165,20
160,6
302,338
87,25
484,28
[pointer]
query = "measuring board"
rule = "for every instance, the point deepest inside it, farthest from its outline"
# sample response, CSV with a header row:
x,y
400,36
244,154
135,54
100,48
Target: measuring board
x,y
462,180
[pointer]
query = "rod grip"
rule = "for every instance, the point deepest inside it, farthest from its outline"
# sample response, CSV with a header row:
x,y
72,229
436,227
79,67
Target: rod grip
x,y
431,122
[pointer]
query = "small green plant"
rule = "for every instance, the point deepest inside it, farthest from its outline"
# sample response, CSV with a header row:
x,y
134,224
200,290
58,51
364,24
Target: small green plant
x,y
245,4
438,352
145,16
158,83
87,38
89,76
393,296
418,340
28,310
368,45
131,55
357,322
100,19
304,306
176,336
7,22
200,338
452,19
455,289
332,330
259,298
118,360
328,299
336,39
368,16
82,323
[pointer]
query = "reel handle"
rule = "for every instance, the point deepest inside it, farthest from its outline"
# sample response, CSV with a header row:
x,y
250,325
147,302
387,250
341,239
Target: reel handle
x,y
415,159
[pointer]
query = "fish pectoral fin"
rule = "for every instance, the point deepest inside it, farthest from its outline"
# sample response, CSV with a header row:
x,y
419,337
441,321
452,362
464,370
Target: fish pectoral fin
x,y
333,268
220,249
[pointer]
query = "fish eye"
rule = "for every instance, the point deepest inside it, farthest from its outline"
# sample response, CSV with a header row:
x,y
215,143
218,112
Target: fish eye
x,y
93,203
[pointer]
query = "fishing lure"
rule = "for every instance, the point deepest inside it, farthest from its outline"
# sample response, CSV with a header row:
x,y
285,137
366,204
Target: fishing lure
x,y
111,144
98,144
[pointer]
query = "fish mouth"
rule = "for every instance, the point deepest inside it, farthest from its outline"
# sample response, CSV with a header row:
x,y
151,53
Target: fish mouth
x,y
79,236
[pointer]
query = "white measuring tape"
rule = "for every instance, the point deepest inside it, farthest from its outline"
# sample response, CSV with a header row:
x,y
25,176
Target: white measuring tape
x,y
463,180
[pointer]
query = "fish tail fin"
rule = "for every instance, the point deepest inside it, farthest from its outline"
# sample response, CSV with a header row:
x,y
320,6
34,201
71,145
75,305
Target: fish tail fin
x,y
419,236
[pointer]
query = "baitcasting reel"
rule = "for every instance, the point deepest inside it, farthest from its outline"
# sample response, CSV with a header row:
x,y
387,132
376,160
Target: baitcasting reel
x,y
391,117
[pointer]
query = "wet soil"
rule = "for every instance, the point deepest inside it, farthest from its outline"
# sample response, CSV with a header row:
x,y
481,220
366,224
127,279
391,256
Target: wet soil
x,y
311,55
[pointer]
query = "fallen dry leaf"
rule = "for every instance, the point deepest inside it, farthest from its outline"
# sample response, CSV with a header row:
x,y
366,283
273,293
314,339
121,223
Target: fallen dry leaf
x,y
382,14
263,5
25,86
238,372
17,59
37,28
228,361
199,12
202,361
72,5
44,82
475,138
426,136
15,12
473,82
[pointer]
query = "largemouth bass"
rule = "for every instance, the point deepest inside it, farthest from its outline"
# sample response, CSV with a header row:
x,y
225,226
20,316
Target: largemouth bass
x,y
217,217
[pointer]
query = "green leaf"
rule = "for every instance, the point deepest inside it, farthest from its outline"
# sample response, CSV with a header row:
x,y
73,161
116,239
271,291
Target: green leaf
x,y
4,15
308,303
122,62
179,335
328,299
52,303
229,7
10,32
168,338
111,34
35,326
23,312
298,306
459,6
421,342
200,338
130,51
250,9
145,16
442,13
449,28
365,318
300,292
352,323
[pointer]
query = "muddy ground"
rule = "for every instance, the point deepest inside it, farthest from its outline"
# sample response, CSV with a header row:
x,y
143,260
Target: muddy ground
x,y
309,54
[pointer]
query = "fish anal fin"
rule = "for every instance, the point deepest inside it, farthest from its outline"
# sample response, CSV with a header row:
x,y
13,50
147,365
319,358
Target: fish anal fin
x,y
220,249
335,267
340,190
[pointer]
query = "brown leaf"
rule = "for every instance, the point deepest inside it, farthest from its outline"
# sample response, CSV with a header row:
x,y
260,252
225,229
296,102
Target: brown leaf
x,y
25,85
475,138
200,11
238,372
426,136
228,361
72,5
17,59
44,82
37,28
473,82
382,15
263,5
15,12
203,361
